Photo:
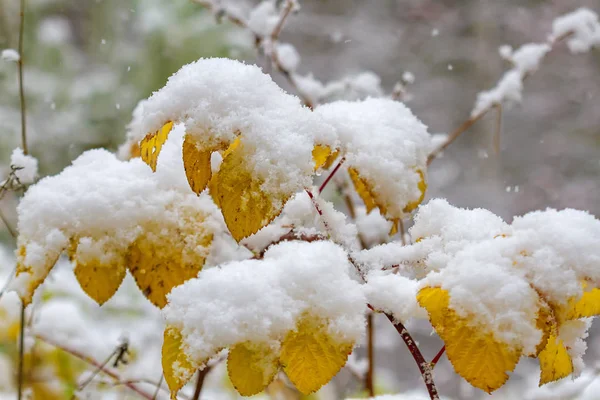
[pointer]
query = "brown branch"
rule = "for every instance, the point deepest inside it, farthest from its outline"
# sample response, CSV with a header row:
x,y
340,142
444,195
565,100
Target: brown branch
x,y
289,6
200,382
21,89
291,235
454,135
94,363
369,377
424,366
498,129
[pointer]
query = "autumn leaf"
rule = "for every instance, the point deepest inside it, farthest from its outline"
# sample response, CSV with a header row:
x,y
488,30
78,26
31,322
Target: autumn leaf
x,y
363,188
323,156
251,367
555,362
476,355
151,145
100,281
245,206
197,164
588,305
177,368
310,356
422,185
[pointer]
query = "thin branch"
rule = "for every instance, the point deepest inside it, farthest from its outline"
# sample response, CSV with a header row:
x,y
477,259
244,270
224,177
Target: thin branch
x,y
423,365
21,89
369,377
7,224
437,357
469,122
498,129
21,352
454,135
99,368
326,181
200,382
94,363
158,387
289,6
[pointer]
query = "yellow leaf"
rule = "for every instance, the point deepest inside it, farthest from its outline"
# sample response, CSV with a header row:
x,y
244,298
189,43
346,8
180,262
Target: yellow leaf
x,y
177,368
310,357
245,207
555,362
158,265
33,284
151,145
475,354
99,281
588,305
422,185
251,367
323,156
545,322
364,191
197,164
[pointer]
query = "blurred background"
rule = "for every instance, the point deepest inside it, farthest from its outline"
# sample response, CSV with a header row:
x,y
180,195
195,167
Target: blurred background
x,y
88,63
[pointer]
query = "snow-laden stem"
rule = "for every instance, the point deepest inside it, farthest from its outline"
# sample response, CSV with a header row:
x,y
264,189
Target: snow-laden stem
x,y
94,363
21,89
476,117
424,366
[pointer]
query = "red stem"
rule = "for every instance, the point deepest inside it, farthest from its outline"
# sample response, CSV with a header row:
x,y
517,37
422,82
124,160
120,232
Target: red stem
x,y
423,365
437,357
326,181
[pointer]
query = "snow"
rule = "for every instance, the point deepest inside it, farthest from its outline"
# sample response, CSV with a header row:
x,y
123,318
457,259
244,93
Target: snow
x,y
353,87
10,55
300,217
261,300
496,272
394,294
263,18
583,27
509,88
217,99
372,227
26,166
386,143
103,205
408,77
288,56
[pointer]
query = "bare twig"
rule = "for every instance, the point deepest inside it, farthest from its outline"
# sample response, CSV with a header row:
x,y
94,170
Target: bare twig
x,y
369,377
287,9
200,382
498,129
118,350
437,357
8,227
109,372
454,135
158,387
326,181
423,365
21,352
21,89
